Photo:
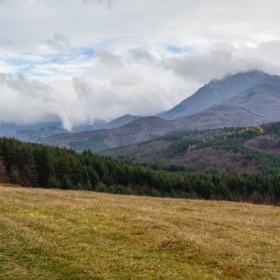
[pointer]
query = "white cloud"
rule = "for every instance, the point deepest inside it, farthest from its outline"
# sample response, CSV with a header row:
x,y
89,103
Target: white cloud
x,y
105,91
100,59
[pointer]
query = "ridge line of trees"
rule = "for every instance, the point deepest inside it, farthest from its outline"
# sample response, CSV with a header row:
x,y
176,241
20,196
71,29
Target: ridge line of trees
x,y
37,165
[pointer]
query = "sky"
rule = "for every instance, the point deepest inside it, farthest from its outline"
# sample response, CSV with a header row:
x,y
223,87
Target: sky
x,y
79,61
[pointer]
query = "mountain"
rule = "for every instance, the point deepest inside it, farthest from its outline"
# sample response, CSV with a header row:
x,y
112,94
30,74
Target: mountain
x,y
141,129
33,135
215,92
146,128
7,128
218,116
120,121
262,100
255,105
34,132
96,125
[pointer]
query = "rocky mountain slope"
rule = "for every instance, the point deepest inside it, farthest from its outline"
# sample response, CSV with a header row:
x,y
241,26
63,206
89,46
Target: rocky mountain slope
x,y
215,92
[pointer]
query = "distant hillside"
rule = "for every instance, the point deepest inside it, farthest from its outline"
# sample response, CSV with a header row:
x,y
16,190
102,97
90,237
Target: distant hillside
x,y
248,149
34,132
32,135
220,115
215,92
141,129
87,126
36,165
7,128
120,121
261,101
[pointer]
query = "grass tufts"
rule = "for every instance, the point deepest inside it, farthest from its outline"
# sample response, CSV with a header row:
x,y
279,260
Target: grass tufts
x,y
54,234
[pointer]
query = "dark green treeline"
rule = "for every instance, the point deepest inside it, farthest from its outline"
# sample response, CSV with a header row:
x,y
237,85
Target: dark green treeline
x,y
38,165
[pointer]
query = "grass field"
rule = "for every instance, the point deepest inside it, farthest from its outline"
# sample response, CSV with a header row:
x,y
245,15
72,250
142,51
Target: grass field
x,y
53,234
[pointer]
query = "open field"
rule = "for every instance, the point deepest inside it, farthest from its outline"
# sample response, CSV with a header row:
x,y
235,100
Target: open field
x,y
54,234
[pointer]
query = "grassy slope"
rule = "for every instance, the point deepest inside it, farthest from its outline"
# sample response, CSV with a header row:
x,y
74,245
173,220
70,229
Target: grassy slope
x,y
52,234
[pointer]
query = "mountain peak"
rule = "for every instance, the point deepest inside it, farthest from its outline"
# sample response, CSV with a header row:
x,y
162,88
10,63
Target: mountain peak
x,y
215,92
120,121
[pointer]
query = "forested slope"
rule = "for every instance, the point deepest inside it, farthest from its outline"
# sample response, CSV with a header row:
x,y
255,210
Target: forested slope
x,y
48,167
243,149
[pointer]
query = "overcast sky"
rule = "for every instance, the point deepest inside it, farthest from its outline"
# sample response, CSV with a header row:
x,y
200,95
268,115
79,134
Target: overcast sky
x,y
82,60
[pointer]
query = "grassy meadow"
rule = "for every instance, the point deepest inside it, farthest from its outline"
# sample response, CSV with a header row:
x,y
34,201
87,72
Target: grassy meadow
x,y
54,234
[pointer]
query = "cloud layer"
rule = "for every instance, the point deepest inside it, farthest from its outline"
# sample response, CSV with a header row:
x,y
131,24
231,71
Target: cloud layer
x,y
100,59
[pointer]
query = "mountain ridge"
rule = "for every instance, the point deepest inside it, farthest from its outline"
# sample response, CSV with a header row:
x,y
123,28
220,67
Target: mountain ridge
x,y
120,121
215,92
255,105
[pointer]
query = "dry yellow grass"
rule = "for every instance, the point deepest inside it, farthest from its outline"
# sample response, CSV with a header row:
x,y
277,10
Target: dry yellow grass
x,y
53,234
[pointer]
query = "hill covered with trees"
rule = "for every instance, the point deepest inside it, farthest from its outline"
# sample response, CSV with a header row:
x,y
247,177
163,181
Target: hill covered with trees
x,y
38,165
254,149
